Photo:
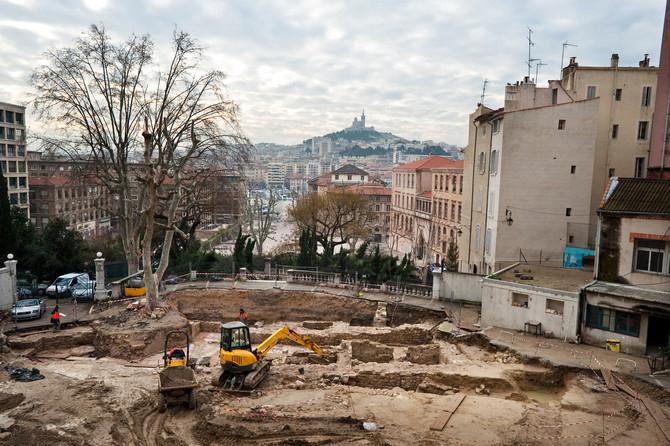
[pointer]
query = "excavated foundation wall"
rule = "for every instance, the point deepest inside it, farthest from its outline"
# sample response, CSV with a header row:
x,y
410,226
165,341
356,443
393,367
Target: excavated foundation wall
x,y
270,306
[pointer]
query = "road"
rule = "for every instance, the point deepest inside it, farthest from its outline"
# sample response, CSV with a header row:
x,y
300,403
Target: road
x,y
282,229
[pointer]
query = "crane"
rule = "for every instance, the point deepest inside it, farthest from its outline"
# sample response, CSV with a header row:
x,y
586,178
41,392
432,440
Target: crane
x,y
243,367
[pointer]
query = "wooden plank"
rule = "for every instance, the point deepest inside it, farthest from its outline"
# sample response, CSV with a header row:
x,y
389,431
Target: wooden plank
x,y
627,389
609,379
443,419
658,415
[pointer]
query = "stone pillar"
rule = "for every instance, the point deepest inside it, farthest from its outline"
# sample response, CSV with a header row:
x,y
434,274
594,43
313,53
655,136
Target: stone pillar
x,y
437,285
11,265
194,276
268,266
100,293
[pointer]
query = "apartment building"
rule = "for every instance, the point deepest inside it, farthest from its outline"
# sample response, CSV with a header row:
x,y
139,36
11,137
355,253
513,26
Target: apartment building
x,y
447,207
275,175
659,150
535,168
13,154
414,230
60,188
379,203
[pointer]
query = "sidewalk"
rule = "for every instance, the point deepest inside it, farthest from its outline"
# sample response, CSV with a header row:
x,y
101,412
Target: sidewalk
x,y
561,353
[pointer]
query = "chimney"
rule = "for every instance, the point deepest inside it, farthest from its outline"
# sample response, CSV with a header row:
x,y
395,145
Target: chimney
x,y
614,61
644,63
573,60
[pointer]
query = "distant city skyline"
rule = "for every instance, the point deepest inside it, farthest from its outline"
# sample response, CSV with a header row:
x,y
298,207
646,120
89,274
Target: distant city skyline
x,y
302,68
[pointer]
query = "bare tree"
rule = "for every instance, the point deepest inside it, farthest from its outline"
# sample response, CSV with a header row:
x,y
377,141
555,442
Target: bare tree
x,y
107,94
334,217
260,216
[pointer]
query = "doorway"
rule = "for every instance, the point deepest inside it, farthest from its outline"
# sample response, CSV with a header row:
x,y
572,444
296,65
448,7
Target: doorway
x,y
658,334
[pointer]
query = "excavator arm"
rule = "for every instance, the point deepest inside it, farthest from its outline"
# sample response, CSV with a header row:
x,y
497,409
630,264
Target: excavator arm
x,y
285,333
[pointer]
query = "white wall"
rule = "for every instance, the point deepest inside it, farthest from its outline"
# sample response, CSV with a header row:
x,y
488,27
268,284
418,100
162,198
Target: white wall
x,y
6,295
457,286
640,225
497,309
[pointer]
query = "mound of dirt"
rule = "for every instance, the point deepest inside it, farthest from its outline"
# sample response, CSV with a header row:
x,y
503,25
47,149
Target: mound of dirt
x,y
10,400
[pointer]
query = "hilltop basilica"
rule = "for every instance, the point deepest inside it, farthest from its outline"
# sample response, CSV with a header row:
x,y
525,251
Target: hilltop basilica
x,y
357,125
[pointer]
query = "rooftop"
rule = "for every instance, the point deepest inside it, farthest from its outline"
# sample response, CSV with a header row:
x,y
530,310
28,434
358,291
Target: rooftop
x,y
349,169
636,196
630,291
54,180
369,189
431,162
546,277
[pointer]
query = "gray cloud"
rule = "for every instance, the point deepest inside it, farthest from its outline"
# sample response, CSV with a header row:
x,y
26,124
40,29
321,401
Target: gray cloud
x,y
300,68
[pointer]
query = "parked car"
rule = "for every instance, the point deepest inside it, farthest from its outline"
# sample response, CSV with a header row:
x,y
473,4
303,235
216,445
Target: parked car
x,y
84,291
28,309
63,285
23,289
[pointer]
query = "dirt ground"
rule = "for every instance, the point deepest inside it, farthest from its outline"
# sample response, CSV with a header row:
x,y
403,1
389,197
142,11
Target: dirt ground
x,y
393,377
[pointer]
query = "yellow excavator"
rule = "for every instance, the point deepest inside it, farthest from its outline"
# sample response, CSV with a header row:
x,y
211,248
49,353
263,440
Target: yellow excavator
x,y
243,367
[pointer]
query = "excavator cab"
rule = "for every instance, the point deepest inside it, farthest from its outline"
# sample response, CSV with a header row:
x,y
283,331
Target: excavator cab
x,y
236,354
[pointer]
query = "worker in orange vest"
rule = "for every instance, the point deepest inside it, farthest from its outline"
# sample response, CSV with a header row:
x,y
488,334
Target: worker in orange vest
x,y
243,316
55,318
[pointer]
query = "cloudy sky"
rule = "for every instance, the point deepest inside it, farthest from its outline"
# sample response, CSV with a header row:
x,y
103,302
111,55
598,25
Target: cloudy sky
x,y
299,68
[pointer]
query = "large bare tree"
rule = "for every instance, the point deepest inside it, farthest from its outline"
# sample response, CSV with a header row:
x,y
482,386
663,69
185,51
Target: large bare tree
x,y
260,213
334,217
151,131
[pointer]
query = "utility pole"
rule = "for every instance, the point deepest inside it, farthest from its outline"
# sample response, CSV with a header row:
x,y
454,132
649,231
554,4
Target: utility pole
x,y
481,100
562,55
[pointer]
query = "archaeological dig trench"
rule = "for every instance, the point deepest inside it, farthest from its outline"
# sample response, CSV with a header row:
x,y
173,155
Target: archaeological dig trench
x,y
390,373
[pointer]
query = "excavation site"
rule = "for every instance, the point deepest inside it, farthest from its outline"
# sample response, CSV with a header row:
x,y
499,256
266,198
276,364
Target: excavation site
x,y
345,371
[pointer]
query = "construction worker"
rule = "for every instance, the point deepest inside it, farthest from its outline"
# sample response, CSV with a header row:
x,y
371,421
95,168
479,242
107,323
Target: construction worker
x,y
55,318
243,316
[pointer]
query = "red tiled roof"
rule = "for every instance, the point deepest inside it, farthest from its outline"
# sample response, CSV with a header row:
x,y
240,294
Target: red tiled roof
x,y
431,162
426,194
369,189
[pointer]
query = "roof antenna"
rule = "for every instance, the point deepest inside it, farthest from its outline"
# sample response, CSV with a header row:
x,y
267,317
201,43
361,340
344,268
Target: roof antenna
x,y
566,43
530,44
537,70
481,100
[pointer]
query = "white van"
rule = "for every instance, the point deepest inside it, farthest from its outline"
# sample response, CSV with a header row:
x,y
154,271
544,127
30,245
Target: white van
x,y
63,285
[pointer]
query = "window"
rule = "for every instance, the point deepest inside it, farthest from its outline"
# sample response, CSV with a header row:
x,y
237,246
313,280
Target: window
x,y
611,172
337,177
459,213
646,96
568,212
453,183
493,167
590,92
11,133
11,166
11,150
12,183
642,130
362,179
573,169
615,131
348,177
648,255
491,203
435,183
496,126
561,124
19,117
613,320
554,96
520,300
9,117
2,116
617,94
13,199
460,187
639,167
571,239
2,132
2,149
487,241
477,234
481,162
441,182
554,307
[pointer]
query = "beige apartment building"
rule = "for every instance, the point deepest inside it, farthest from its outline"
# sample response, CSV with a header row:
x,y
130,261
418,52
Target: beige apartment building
x,y
536,168
447,207
13,154
414,226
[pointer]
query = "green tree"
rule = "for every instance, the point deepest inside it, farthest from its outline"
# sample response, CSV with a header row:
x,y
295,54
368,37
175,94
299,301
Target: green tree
x,y
238,250
6,227
249,254
452,256
307,245
63,250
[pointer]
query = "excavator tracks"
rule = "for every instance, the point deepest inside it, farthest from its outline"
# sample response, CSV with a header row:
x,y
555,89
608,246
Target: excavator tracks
x,y
243,384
